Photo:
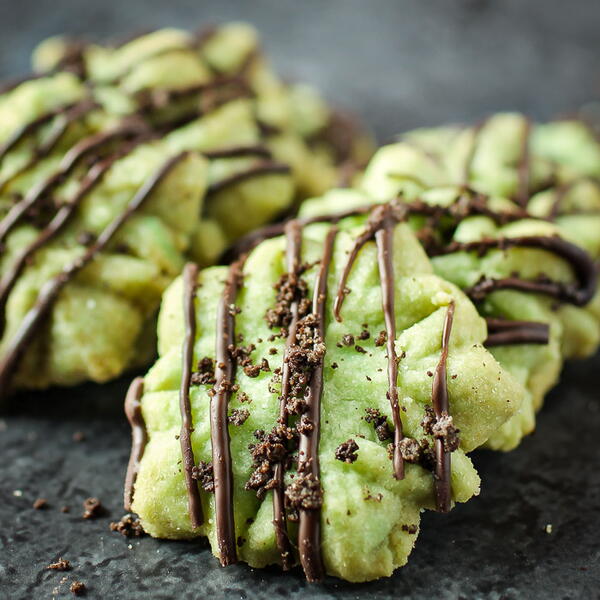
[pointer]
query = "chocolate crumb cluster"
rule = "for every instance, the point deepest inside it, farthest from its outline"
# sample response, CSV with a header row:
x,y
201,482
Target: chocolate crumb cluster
x,y
346,452
380,423
128,526
92,508
203,473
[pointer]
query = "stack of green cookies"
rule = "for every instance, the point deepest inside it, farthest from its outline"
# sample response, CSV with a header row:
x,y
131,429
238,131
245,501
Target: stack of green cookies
x,y
312,397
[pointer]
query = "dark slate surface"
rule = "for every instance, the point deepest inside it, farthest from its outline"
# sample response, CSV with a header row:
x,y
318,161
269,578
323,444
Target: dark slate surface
x,y
400,64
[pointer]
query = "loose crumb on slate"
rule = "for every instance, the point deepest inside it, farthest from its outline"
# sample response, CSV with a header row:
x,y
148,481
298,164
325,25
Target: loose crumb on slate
x,y
92,508
40,504
78,588
60,565
78,436
129,526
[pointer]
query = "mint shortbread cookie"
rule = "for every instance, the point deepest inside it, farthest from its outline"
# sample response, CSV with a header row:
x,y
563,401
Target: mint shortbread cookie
x,y
531,283
172,75
93,227
310,400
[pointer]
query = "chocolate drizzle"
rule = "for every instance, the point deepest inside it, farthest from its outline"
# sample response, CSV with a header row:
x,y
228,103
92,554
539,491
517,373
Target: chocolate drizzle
x,y
439,397
262,168
504,332
583,268
190,281
219,432
139,437
382,222
309,530
52,288
384,238
293,236
74,157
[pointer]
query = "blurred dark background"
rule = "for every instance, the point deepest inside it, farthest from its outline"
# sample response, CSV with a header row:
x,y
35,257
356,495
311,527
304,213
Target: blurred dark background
x,y
400,63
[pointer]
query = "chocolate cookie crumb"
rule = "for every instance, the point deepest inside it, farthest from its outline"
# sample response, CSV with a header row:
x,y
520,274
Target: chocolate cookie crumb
x,y
203,472
129,526
410,450
445,430
40,504
348,340
334,365
205,372
346,452
304,492
360,349
252,370
78,436
241,541
65,509
238,416
382,429
92,508
411,529
381,339
60,565
78,588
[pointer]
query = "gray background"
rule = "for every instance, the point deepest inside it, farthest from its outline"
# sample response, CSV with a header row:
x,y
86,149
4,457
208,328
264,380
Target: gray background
x,y
399,64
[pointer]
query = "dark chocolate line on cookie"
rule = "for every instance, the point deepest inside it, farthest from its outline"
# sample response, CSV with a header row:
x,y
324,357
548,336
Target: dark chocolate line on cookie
x,y
52,288
381,225
439,397
225,368
139,437
264,168
309,529
28,128
69,162
54,227
504,332
190,282
384,239
69,117
236,151
579,260
293,236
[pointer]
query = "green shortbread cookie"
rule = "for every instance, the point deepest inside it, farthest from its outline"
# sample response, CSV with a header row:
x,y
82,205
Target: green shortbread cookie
x,y
313,398
64,132
550,172
452,233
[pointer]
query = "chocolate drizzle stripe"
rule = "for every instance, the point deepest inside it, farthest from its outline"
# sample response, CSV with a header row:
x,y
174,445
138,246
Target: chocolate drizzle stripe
x,y
57,132
439,397
384,238
581,263
69,162
56,225
264,168
293,236
503,332
235,151
139,437
28,128
219,432
51,289
524,169
309,530
190,281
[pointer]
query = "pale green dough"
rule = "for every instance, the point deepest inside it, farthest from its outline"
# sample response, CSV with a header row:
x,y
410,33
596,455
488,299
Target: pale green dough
x,y
95,327
574,331
362,534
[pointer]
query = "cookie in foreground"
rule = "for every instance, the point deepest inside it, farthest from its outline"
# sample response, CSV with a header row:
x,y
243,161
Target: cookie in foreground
x,y
313,398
